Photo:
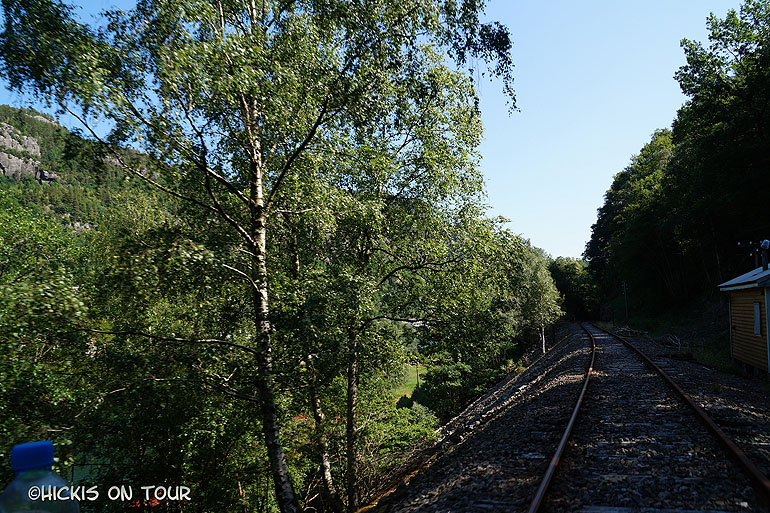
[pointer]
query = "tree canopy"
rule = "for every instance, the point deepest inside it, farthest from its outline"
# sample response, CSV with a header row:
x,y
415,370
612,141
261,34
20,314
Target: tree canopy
x,y
313,208
672,221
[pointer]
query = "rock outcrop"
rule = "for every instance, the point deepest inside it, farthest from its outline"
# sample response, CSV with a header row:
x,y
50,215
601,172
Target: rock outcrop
x,y
19,156
11,139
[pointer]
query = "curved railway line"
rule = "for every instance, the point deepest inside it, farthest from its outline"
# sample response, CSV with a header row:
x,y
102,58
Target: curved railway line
x,y
635,443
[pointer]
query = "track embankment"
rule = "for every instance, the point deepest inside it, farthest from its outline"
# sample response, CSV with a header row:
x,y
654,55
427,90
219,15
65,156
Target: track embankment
x,y
640,443
493,455
740,405
638,446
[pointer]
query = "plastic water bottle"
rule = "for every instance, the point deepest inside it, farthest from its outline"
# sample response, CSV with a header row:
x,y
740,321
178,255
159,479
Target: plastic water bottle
x,y
35,480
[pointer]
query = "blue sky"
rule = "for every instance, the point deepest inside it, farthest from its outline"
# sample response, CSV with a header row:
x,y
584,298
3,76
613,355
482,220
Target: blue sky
x,y
593,80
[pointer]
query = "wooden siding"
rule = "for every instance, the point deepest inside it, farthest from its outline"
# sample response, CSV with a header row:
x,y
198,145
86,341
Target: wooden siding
x,y
746,346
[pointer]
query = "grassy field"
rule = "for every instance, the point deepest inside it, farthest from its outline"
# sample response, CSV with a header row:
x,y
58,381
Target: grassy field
x,y
410,381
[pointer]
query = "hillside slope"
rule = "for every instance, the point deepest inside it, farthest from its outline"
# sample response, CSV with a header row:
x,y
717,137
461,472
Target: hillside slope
x,y
52,170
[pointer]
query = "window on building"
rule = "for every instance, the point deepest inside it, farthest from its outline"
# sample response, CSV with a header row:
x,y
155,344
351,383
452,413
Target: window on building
x,y
757,316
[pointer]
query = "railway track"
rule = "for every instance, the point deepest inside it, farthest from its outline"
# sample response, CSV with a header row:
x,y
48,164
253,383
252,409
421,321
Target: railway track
x,y
537,501
640,445
492,457
636,445
739,406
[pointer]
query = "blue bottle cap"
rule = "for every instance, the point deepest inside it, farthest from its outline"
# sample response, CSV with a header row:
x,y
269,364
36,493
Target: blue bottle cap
x,y
31,455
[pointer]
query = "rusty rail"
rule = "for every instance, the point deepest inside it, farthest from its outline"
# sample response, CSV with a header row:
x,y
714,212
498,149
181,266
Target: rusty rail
x,y
428,456
758,479
540,495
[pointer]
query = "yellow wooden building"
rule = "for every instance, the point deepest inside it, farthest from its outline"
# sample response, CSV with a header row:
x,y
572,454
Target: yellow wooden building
x,y
749,330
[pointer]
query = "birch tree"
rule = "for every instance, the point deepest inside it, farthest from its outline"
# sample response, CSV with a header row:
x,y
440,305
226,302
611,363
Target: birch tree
x,y
229,98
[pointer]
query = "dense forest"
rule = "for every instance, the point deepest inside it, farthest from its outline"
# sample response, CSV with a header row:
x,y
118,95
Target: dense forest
x,y
677,221
224,287
271,213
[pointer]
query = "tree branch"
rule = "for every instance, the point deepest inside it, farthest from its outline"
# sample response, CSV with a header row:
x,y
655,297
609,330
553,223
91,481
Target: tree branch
x,y
160,338
242,274
435,266
297,151
216,386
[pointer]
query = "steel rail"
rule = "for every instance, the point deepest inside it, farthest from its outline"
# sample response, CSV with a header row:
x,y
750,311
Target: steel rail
x,y
540,495
429,455
758,479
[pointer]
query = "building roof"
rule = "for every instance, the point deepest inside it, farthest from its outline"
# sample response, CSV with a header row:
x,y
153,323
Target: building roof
x,y
755,278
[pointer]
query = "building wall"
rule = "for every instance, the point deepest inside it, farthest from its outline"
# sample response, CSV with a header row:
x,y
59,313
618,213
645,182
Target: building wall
x,y
746,346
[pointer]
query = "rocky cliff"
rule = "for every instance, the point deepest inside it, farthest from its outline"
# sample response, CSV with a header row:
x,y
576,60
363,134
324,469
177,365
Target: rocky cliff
x,y
20,155
55,171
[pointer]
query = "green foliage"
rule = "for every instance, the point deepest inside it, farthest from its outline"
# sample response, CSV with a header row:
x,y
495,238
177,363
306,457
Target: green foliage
x,y
314,207
404,430
497,300
573,281
446,391
39,299
719,168
672,220
631,241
